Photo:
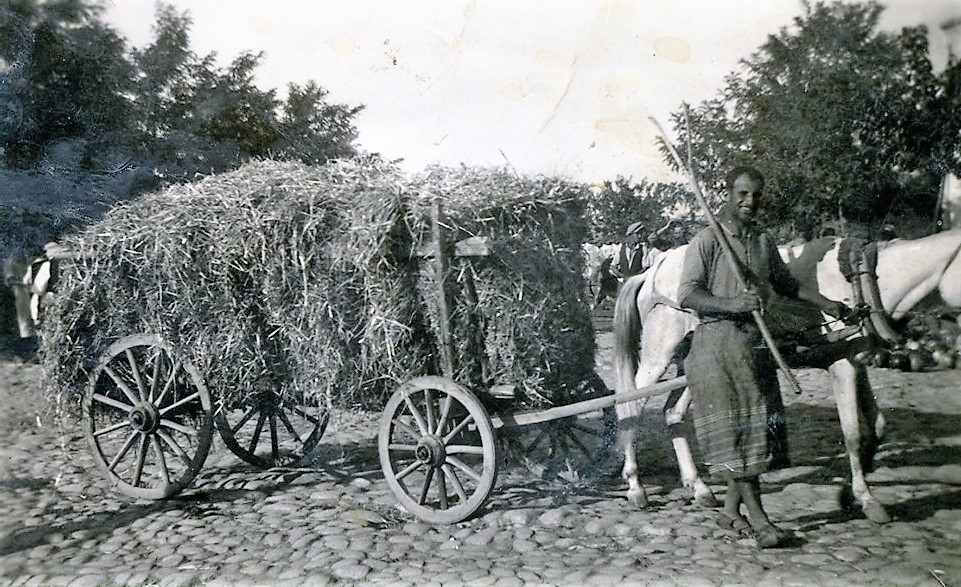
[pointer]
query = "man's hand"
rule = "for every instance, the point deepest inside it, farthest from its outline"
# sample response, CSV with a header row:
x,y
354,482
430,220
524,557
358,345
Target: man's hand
x,y
836,309
746,302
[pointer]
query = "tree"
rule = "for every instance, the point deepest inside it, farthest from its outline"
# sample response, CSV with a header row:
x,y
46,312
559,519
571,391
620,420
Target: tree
x,y
844,120
67,79
200,118
618,204
162,108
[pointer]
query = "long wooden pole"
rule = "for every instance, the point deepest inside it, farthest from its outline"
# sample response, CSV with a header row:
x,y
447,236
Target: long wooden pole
x,y
519,419
440,266
729,253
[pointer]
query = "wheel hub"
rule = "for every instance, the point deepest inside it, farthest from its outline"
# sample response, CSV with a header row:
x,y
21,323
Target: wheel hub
x,y
145,418
430,451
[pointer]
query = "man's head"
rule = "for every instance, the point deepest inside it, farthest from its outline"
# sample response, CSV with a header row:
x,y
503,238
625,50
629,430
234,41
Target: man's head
x,y
744,185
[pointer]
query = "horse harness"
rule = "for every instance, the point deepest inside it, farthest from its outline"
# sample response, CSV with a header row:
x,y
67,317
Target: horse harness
x,y
858,262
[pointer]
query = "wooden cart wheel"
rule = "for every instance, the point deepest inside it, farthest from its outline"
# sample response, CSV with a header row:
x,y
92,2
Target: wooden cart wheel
x,y
582,442
147,417
270,429
436,445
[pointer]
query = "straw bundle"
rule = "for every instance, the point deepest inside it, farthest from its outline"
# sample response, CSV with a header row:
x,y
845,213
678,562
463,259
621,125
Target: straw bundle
x,y
518,314
308,280
271,276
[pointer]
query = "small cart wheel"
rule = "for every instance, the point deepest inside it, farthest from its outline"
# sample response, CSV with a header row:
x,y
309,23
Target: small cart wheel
x,y
436,445
270,429
147,417
564,444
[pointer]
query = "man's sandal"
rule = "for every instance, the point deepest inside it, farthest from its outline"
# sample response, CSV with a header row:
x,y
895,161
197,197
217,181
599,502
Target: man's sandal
x,y
738,525
771,536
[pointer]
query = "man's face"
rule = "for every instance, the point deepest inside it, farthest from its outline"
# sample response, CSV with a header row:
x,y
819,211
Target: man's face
x,y
745,197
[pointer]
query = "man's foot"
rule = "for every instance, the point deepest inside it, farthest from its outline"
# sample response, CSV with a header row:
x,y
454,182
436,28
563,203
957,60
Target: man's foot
x,y
736,524
770,536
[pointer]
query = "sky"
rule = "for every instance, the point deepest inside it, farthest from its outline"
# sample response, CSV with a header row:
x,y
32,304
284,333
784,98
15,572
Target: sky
x,y
555,87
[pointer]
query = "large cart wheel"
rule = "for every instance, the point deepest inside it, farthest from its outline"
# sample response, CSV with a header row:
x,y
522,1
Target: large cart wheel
x,y
270,429
147,417
436,445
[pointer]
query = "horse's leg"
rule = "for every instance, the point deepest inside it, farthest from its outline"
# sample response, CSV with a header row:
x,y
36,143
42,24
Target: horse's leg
x,y
22,299
627,441
674,411
850,384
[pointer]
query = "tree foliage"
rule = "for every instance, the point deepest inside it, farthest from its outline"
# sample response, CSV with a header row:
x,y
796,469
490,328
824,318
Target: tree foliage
x,y
163,108
847,123
63,80
617,204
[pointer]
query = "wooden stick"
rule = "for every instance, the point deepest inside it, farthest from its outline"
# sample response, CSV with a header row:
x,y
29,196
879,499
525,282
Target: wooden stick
x,y
440,266
516,420
729,253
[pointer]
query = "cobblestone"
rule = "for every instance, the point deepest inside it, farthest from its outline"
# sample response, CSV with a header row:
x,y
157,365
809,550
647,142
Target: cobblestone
x,y
63,525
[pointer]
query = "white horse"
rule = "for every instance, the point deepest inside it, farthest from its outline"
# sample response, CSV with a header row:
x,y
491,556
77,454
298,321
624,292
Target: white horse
x,y
30,280
910,274
949,203
597,265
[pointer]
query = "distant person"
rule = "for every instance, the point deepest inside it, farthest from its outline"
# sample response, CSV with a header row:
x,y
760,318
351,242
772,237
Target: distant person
x,y
630,256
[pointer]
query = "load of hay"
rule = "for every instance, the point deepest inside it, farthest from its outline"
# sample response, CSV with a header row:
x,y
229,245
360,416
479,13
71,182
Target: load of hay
x,y
315,280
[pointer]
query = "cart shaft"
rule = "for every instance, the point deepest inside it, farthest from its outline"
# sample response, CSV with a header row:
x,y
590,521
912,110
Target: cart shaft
x,y
576,409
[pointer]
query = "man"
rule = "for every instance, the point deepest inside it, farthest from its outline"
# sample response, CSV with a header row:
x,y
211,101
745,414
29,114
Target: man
x,y
630,255
738,411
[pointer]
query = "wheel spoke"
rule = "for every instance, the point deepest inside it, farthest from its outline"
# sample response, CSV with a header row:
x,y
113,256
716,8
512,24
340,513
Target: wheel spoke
x,y
464,449
421,425
274,442
442,489
405,427
135,371
403,447
171,377
306,415
122,452
190,431
463,467
429,409
141,457
155,381
579,444
174,446
458,486
161,459
408,470
250,414
467,420
110,429
121,384
444,414
425,488
255,440
179,403
112,403
289,426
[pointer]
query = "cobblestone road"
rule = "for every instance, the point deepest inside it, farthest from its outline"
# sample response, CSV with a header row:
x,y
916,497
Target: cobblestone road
x,y
337,523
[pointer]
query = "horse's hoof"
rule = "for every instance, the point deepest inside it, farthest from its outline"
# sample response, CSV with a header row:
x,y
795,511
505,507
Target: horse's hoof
x,y
875,512
706,499
637,498
872,509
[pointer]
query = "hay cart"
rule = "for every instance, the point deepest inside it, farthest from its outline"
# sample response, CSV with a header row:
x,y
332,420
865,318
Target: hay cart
x,y
438,440
150,419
